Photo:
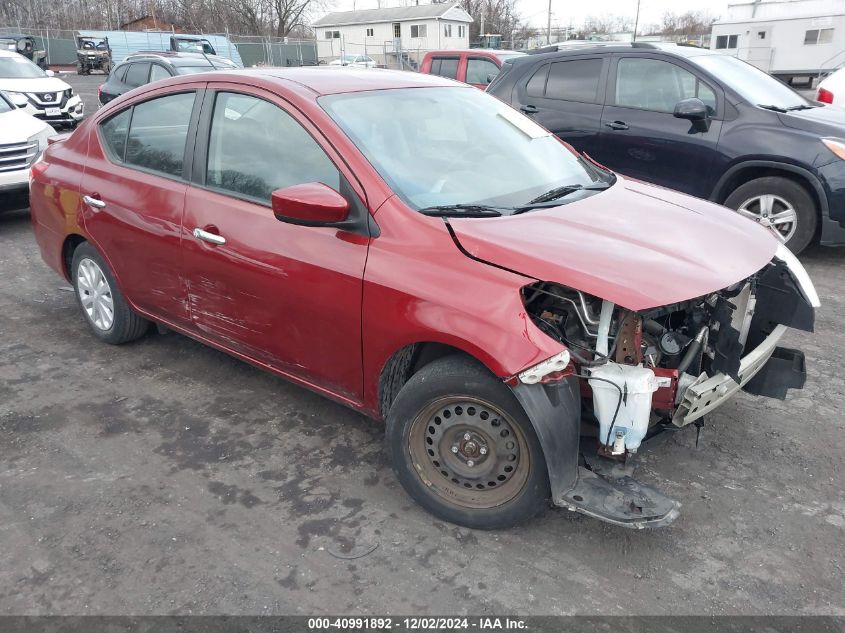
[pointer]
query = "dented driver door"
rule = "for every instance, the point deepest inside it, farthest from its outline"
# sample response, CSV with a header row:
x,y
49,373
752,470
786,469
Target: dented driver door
x,y
286,296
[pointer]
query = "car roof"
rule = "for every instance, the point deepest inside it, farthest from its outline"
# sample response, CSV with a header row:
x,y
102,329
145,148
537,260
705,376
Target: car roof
x,y
326,80
580,47
4,53
177,58
484,51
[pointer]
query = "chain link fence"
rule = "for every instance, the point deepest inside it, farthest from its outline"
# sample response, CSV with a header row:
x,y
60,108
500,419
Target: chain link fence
x,y
254,50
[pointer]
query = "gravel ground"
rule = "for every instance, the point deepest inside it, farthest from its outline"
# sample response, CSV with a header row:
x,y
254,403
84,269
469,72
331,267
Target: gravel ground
x,y
166,477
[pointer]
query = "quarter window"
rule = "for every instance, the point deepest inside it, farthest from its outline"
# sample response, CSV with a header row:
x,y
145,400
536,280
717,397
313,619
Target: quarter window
x,y
113,133
577,80
481,71
651,84
137,75
256,147
537,84
158,132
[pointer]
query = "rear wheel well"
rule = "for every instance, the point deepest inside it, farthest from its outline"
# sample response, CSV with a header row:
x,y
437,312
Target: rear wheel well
x,y
70,245
747,174
406,362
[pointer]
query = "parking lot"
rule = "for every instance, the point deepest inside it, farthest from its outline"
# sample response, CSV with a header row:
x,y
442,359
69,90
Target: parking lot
x,y
166,477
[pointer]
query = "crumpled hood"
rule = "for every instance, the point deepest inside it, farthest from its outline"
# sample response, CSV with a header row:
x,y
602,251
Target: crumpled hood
x,y
637,245
824,120
36,84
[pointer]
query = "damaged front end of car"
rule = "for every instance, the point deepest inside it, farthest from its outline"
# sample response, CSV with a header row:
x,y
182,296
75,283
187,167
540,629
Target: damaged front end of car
x,y
636,373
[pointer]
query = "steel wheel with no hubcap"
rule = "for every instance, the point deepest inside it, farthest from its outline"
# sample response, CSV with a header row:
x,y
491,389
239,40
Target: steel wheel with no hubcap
x,y
773,212
95,294
469,452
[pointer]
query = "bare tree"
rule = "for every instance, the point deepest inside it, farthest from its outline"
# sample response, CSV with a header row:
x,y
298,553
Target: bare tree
x,y
498,16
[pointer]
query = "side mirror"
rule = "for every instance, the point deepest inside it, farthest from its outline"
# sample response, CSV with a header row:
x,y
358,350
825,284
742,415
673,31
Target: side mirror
x,y
695,111
490,78
49,73
309,204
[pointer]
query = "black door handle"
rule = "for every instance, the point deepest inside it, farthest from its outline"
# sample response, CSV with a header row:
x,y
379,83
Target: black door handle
x,y
617,125
529,109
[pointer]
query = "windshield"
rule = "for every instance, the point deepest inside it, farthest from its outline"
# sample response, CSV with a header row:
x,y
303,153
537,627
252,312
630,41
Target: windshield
x,y
19,68
456,146
751,83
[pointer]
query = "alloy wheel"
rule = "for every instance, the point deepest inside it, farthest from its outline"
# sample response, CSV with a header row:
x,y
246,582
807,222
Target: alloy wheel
x,y
773,212
95,294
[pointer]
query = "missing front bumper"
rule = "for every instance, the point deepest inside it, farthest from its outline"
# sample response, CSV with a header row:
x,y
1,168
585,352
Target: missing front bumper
x,y
710,392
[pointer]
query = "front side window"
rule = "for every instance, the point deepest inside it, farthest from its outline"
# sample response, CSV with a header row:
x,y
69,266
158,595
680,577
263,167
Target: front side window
x,y
255,147
445,67
652,84
137,74
576,80
158,132
480,70
455,145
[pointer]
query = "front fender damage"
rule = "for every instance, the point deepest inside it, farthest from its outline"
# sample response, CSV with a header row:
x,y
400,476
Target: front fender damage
x,y
603,493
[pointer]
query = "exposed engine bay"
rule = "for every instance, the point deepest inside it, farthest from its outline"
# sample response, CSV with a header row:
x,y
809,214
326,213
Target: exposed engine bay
x,y
670,365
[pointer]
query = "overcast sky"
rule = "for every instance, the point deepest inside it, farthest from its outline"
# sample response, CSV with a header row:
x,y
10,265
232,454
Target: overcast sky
x,y
565,12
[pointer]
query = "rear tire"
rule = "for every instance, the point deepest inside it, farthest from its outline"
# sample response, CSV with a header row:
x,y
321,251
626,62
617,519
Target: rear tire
x,y
103,305
780,203
463,447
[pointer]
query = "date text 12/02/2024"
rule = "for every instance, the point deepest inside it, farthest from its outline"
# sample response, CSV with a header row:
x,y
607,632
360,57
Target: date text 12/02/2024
x,y
416,623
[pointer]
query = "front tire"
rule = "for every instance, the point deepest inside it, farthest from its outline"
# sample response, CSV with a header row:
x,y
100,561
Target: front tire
x,y
780,204
103,305
463,447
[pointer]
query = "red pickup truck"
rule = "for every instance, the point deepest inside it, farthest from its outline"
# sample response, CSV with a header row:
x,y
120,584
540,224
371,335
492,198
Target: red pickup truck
x,y
476,66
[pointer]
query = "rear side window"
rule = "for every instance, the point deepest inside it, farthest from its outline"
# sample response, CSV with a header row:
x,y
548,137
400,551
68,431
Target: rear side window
x,y
120,72
158,72
576,80
137,75
445,67
157,133
537,84
113,133
255,147
481,71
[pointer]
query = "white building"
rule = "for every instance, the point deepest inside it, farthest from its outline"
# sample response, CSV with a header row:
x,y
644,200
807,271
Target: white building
x,y
788,38
387,34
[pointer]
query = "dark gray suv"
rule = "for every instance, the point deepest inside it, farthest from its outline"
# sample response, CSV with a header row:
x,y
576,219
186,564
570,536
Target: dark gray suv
x,y
696,121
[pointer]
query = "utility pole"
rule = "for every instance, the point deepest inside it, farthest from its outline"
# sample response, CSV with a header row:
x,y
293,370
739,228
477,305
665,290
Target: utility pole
x,y
549,25
636,22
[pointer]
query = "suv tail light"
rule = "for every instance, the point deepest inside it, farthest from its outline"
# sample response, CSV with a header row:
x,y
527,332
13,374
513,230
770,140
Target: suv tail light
x,y
825,96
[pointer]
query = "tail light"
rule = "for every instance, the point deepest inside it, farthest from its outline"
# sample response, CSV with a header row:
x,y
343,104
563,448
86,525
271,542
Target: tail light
x,y
825,96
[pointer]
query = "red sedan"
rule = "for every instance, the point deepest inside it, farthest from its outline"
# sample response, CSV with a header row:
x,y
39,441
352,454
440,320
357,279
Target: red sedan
x,y
418,251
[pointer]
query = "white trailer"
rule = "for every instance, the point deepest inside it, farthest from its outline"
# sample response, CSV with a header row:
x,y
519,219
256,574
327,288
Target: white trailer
x,y
791,39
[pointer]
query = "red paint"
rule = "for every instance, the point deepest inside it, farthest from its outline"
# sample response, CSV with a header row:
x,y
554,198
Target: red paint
x,y
463,56
327,308
310,202
637,245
